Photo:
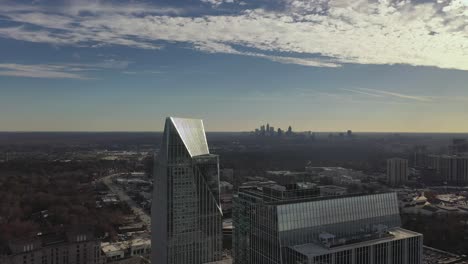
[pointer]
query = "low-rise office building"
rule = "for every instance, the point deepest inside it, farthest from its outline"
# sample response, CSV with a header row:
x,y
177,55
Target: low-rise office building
x,y
283,229
119,252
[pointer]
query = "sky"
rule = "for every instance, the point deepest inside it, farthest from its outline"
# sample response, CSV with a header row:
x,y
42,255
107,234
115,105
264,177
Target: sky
x,y
318,65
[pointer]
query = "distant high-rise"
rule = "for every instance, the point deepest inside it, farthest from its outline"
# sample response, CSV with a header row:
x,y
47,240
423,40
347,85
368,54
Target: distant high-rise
x,y
186,212
279,226
397,171
454,169
420,157
279,132
459,146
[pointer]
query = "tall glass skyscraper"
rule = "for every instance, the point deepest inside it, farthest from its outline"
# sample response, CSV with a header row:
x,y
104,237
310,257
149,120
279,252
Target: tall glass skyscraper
x,y
352,229
186,211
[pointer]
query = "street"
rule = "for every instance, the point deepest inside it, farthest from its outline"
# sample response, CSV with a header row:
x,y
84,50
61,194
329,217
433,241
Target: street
x,y
137,210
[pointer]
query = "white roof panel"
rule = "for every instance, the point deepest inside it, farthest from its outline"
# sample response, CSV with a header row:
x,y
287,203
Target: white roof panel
x,y
192,133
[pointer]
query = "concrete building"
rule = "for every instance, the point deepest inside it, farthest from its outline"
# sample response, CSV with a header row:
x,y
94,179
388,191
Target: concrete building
x,y
454,169
225,187
66,248
449,168
362,229
397,171
186,210
226,175
459,146
420,156
126,251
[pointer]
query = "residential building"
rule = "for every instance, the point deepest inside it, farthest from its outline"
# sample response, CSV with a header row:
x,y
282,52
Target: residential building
x,y
55,248
454,169
397,171
186,210
459,146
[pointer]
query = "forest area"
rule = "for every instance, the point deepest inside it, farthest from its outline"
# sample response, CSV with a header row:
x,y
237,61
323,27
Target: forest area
x,y
45,196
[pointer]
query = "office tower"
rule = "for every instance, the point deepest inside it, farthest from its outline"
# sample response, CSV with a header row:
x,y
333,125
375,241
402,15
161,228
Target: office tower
x,y
262,130
279,132
397,171
272,131
186,212
360,229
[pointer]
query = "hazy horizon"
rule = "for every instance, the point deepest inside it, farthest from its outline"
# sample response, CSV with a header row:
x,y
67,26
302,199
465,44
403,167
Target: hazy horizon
x,y
246,131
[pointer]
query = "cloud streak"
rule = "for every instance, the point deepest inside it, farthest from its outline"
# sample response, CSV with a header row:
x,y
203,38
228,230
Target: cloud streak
x,y
319,33
39,71
76,71
362,92
382,93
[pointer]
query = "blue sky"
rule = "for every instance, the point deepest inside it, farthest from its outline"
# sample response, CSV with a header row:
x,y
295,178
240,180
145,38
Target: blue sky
x,y
320,65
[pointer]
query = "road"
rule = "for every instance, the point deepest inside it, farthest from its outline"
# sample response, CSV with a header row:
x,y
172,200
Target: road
x,y
137,210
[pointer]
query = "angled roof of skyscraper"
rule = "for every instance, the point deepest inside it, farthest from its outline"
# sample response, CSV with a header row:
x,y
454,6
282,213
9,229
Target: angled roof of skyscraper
x,y
192,133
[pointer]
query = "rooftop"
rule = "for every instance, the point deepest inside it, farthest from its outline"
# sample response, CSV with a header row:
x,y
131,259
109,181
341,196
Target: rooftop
x,y
110,248
192,133
313,249
259,193
223,261
437,256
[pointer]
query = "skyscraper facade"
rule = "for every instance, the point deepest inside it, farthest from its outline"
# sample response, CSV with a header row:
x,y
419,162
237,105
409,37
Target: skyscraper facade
x,y
397,171
350,229
186,211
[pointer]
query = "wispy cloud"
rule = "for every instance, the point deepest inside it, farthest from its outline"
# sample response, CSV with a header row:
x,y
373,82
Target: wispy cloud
x,y
39,71
142,72
218,2
400,95
112,64
348,98
362,92
325,33
59,71
382,93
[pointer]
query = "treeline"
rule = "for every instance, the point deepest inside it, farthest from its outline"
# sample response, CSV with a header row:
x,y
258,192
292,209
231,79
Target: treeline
x,y
447,232
47,196
367,158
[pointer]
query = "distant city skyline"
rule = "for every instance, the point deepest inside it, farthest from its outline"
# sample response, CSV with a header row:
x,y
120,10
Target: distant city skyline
x,y
328,65
234,130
